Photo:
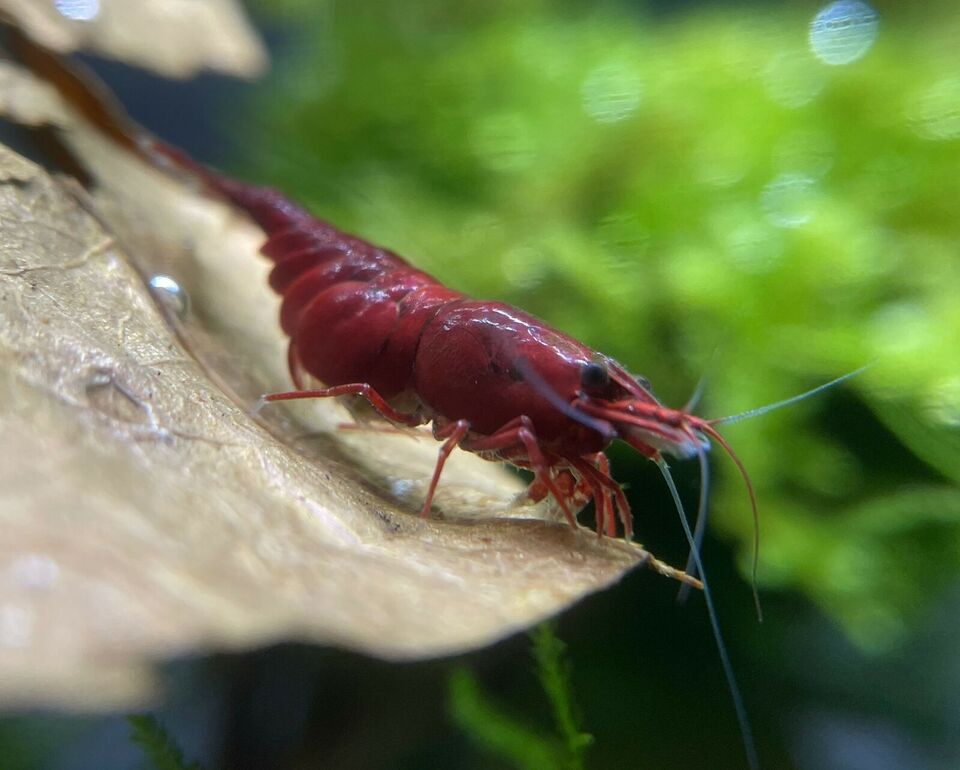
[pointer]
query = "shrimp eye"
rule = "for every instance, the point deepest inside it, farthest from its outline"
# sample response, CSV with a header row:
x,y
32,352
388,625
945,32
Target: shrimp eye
x,y
594,375
644,383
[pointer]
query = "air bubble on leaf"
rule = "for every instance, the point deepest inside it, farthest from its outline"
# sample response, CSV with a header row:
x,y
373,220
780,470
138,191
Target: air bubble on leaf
x,y
171,294
404,489
788,201
612,92
935,112
78,10
792,80
843,32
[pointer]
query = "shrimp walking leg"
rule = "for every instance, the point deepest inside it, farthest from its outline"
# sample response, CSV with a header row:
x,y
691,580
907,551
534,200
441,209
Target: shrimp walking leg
x,y
603,465
606,520
520,432
602,480
454,433
295,367
377,401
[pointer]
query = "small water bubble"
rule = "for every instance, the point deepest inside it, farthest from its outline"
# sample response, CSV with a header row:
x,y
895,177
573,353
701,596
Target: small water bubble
x,y
78,10
403,489
113,399
171,294
788,201
843,32
612,92
935,112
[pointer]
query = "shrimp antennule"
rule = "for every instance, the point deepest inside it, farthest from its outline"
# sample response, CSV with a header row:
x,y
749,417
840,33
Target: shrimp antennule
x,y
708,427
716,436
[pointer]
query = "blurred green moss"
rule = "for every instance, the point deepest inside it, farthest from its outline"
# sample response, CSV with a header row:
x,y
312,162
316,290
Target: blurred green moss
x,y
693,193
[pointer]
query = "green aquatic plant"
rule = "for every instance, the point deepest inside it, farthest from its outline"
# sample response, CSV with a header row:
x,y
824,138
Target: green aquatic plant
x,y
554,673
508,736
157,744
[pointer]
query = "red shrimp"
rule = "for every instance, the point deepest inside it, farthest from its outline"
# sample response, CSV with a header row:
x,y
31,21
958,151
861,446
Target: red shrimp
x,y
490,378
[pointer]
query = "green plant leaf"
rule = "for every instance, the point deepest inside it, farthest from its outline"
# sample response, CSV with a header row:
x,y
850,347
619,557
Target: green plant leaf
x,y
496,731
554,673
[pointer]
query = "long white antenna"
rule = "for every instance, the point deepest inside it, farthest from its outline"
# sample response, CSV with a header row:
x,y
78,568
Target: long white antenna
x,y
746,733
700,525
787,401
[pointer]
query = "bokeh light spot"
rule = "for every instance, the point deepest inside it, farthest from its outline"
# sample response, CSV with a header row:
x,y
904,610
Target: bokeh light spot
x,y
935,113
78,10
943,403
788,200
843,32
901,327
612,92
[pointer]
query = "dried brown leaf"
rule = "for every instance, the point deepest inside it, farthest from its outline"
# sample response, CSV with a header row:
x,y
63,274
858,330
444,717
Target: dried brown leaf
x,y
146,513
176,38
